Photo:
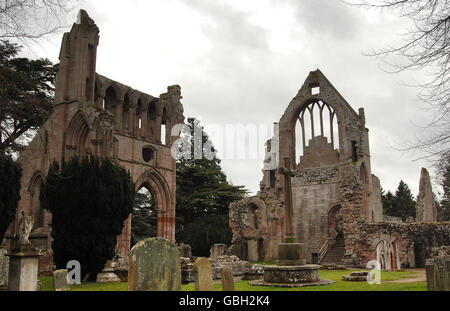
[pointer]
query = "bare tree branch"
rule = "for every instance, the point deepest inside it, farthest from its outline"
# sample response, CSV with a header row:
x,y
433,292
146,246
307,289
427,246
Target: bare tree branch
x,y
425,47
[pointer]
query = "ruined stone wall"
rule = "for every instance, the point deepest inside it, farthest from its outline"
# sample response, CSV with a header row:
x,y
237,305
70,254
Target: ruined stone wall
x,y
315,192
94,115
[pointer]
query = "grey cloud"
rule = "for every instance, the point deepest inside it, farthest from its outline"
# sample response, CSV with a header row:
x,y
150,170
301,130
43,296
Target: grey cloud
x,y
329,18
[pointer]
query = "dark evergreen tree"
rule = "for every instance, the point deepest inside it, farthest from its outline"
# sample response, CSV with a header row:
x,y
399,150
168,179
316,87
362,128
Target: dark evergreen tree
x,y
143,222
10,174
387,201
89,199
26,92
404,205
203,196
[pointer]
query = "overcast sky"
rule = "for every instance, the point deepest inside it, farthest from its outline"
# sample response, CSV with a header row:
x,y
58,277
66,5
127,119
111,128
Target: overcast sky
x,y
242,61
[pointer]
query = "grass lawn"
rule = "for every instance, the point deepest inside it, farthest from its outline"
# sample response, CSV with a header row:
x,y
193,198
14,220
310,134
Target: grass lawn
x,y
335,275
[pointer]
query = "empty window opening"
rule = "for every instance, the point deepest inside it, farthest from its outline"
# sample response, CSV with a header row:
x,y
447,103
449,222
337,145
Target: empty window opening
x,y
139,114
314,120
272,178
315,90
354,151
125,112
148,154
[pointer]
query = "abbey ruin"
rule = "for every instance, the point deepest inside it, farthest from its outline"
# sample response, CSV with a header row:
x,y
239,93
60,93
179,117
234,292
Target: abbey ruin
x,y
338,213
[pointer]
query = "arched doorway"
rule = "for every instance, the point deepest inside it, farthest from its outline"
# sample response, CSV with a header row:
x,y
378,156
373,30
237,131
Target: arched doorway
x,y
387,255
144,216
335,230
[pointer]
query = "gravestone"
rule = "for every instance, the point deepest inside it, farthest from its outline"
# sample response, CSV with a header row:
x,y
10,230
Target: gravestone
x,y
437,272
218,250
203,274
227,279
60,280
154,265
4,266
185,250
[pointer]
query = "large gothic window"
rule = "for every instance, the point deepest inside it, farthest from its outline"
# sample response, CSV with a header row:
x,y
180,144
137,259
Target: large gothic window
x,y
316,126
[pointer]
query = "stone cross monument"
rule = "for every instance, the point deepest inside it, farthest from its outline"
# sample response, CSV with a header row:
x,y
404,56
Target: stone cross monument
x,y
286,171
290,253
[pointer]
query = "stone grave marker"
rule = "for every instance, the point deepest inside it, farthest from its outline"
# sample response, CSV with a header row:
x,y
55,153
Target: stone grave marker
x,y
227,279
60,280
154,265
203,274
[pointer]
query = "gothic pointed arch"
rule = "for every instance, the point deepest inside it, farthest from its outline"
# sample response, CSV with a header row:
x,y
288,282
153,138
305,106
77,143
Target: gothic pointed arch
x,y
76,136
163,201
34,187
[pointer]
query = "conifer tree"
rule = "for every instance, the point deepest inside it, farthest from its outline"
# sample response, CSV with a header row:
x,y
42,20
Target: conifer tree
x,y
10,174
203,196
89,199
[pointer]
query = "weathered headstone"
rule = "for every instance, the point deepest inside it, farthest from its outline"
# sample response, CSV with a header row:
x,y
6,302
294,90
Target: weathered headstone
x,y
4,267
218,250
60,280
154,265
227,279
203,274
185,250
437,272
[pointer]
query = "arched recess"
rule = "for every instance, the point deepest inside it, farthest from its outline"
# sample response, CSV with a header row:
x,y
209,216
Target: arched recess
x,y
126,113
315,125
254,213
387,255
364,181
112,100
333,223
75,137
164,204
34,188
251,219
151,121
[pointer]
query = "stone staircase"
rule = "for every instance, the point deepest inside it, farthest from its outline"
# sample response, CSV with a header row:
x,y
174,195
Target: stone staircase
x,y
335,254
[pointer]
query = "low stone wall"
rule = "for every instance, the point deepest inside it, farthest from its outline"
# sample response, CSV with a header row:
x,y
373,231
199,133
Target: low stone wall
x,y
410,239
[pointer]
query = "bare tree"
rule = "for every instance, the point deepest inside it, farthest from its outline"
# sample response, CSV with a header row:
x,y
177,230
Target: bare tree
x,y
426,46
24,20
